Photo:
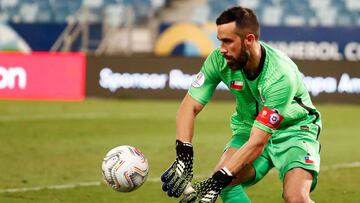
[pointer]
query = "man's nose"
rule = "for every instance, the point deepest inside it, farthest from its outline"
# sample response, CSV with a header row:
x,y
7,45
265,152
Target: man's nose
x,y
223,50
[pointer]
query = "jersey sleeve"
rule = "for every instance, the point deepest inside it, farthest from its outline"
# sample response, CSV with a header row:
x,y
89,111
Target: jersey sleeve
x,y
277,95
206,81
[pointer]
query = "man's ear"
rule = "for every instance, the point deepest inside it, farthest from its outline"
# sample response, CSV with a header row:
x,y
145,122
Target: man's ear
x,y
249,40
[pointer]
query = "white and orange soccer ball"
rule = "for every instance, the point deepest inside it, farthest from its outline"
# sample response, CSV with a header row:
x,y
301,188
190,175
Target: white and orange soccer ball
x,y
125,168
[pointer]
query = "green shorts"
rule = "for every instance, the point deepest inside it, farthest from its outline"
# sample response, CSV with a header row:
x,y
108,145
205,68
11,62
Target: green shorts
x,y
285,150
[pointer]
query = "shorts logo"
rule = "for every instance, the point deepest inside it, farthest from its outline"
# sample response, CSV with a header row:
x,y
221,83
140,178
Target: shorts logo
x,y
274,118
304,128
199,80
308,159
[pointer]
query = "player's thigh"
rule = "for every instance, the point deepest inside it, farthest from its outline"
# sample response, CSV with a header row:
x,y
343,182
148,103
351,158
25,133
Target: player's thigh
x,y
296,151
297,185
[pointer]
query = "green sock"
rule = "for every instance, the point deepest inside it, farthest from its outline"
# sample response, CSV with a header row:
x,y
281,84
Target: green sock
x,y
234,194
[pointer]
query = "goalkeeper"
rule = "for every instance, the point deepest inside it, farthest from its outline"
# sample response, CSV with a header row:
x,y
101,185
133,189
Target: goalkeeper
x,y
275,123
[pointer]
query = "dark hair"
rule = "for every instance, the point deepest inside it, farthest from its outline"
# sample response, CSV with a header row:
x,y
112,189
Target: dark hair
x,y
245,18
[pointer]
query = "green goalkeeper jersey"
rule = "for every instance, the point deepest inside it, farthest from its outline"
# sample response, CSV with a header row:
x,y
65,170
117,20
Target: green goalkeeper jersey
x,y
275,100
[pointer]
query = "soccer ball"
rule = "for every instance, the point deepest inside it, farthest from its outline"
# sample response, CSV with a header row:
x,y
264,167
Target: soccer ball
x,y
124,168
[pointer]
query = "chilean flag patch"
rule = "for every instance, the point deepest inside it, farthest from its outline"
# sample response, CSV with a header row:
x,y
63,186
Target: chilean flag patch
x,y
270,118
308,159
237,85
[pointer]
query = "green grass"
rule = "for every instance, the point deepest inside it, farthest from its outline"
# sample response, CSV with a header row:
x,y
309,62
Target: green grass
x,y
55,143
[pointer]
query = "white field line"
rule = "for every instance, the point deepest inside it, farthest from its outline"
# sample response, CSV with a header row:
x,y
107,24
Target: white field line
x,y
151,179
55,116
68,116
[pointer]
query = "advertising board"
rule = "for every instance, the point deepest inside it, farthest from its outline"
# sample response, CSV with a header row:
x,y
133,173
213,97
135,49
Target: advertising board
x,y
170,77
42,76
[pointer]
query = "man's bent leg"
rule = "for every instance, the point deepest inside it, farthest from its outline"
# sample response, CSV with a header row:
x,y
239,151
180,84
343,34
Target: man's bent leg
x,y
298,162
245,174
250,175
297,185
234,194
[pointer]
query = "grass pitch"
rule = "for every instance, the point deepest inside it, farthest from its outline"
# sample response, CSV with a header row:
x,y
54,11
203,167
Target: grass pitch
x,y
52,151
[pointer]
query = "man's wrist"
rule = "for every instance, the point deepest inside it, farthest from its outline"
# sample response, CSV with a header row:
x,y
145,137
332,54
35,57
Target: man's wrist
x,y
184,150
223,177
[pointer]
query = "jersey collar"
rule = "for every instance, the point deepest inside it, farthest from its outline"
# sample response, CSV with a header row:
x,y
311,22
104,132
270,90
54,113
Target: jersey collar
x,y
260,67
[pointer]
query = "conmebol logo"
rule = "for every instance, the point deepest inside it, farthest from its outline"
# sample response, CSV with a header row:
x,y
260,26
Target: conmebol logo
x,y
10,77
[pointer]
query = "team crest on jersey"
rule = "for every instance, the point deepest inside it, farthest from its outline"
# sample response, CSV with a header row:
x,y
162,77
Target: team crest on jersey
x,y
274,118
199,80
269,117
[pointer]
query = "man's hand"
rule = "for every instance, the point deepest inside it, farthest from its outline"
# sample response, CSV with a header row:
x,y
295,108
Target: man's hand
x,y
207,191
180,173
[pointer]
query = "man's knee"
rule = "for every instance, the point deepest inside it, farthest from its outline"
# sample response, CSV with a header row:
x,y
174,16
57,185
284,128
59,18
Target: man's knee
x,y
297,186
296,197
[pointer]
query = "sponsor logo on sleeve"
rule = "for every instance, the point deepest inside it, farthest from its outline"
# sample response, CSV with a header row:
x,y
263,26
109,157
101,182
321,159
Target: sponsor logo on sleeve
x,y
270,117
199,80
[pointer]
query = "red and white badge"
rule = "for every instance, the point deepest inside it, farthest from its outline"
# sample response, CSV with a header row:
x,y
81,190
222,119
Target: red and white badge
x,y
309,160
270,117
237,85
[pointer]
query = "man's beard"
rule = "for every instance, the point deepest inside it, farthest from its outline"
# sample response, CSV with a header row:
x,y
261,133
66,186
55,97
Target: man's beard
x,y
241,61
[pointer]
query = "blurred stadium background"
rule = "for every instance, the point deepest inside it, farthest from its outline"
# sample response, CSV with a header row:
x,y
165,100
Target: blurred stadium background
x,y
79,77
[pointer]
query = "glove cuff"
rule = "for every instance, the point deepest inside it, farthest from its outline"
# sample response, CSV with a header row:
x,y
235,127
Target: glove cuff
x,y
223,177
184,150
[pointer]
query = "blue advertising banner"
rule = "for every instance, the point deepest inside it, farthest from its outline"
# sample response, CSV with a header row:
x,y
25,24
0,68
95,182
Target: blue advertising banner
x,y
315,43
41,36
304,43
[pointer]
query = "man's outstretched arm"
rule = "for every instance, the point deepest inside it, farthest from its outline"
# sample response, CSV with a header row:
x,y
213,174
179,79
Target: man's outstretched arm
x,y
180,173
185,118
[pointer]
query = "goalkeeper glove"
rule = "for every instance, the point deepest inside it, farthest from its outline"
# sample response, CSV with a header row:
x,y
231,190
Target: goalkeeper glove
x,y
208,190
180,173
